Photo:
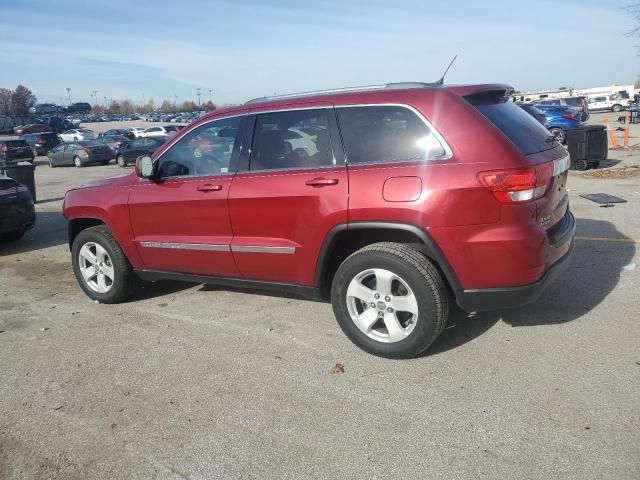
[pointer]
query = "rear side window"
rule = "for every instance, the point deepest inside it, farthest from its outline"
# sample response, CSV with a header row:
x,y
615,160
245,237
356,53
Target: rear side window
x,y
381,134
15,143
517,125
295,139
574,102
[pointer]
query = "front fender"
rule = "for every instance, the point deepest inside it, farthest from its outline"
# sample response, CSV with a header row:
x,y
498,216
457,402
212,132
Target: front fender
x,y
108,206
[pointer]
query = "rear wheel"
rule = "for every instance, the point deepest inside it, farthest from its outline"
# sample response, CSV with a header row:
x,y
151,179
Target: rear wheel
x,y
122,161
390,300
51,163
100,267
617,107
559,133
78,162
581,165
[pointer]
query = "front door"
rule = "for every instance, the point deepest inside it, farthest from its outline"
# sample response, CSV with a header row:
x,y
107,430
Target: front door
x,y
293,192
181,220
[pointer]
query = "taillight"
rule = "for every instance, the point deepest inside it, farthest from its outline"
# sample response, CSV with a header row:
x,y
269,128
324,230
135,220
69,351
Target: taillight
x,y
4,148
518,185
87,150
568,116
40,142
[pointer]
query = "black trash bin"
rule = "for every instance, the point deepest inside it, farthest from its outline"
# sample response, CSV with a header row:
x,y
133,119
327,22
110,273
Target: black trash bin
x,y
587,145
23,173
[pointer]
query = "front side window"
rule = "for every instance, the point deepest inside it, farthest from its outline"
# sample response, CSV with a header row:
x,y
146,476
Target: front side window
x,y
294,139
382,134
203,151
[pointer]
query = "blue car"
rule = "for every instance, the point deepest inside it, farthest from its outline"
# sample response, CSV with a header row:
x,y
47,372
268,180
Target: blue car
x,y
559,119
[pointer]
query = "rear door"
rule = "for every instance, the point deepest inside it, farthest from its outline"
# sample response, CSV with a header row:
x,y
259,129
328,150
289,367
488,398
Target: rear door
x,y
292,193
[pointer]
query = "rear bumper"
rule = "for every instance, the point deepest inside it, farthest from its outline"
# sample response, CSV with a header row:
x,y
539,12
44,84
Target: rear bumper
x,y
18,215
476,300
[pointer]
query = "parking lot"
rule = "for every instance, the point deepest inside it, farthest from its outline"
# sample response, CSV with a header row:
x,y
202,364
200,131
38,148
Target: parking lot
x,y
201,382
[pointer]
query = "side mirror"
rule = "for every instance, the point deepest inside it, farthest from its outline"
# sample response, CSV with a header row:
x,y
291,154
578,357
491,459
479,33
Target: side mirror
x,y
144,167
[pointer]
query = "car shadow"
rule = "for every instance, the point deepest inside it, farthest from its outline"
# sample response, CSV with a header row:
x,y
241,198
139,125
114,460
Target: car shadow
x,y
594,271
50,230
609,162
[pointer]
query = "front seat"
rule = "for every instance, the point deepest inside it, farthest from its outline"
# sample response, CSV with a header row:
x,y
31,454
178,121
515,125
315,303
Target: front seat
x,y
273,151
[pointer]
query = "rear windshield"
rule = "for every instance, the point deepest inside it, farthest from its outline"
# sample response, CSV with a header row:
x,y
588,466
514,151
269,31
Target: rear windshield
x,y
48,136
89,143
15,143
517,125
574,102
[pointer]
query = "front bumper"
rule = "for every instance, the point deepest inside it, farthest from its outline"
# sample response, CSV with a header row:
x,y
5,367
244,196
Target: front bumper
x,y
478,300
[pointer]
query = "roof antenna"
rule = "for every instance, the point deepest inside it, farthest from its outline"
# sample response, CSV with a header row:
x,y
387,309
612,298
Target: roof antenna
x,y
440,82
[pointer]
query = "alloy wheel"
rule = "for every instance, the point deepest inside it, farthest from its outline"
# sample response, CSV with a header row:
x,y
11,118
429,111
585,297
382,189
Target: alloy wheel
x,y
96,267
382,305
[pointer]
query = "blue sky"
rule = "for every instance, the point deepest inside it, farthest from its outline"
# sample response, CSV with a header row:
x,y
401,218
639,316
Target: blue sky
x,y
247,48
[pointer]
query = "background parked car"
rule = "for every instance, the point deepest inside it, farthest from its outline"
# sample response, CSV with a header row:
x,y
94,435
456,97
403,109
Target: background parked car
x,y
113,141
41,143
31,128
80,154
59,124
17,214
136,131
122,132
167,130
13,151
77,134
559,119
575,103
140,146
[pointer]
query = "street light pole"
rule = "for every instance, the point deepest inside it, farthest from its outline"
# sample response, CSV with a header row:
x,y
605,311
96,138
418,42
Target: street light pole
x,y
198,90
69,95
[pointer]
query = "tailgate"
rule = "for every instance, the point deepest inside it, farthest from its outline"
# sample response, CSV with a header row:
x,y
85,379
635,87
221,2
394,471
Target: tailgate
x,y
551,207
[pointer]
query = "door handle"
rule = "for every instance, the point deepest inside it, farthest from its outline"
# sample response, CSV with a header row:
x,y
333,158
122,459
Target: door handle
x,y
321,182
207,187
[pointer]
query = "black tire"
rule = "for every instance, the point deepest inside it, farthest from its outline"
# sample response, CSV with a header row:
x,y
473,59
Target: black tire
x,y
582,165
78,162
15,235
122,161
125,280
617,107
560,134
422,277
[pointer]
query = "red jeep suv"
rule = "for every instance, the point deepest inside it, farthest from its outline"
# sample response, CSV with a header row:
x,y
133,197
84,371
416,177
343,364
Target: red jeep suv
x,y
392,201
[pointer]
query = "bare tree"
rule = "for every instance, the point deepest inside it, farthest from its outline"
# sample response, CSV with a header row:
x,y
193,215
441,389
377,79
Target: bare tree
x,y
5,101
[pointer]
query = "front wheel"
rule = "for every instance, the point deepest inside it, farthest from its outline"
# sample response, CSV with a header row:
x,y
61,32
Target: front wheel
x,y
390,300
617,108
14,235
78,162
100,267
122,161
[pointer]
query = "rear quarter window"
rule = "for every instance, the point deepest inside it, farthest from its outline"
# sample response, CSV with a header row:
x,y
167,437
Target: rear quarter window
x,y
387,134
528,135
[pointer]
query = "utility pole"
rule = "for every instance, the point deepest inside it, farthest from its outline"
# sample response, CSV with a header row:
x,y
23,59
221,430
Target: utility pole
x,y
95,96
209,94
69,95
198,90
105,101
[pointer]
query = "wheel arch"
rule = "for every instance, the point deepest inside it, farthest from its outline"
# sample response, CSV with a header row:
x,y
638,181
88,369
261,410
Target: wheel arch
x,y
344,239
77,225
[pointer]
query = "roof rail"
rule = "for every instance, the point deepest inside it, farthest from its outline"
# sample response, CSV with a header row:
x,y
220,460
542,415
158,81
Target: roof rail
x,y
385,86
